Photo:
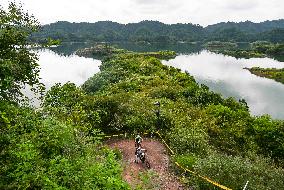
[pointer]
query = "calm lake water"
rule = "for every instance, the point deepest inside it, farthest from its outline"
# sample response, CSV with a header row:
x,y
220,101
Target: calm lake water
x,y
223,74
59,68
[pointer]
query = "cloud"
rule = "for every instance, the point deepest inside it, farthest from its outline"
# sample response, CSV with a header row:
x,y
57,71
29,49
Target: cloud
x,y
202,12
150,2
241,5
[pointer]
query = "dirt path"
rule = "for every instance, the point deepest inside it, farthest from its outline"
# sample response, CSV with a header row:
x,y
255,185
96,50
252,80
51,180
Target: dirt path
x,y
158,159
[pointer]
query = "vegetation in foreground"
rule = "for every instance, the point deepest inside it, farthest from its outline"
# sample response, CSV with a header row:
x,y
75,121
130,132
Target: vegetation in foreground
x,y
271,73
41,152
37,150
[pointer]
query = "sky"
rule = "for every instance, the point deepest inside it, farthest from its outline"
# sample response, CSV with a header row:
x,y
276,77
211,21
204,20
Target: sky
x,y
203,12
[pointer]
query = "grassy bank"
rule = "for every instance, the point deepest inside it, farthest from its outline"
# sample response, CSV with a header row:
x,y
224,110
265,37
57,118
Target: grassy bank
x,y
258,50
271,73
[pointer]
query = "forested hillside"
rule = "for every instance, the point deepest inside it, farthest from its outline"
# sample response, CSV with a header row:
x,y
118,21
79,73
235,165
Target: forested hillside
x,y
248,26
154,31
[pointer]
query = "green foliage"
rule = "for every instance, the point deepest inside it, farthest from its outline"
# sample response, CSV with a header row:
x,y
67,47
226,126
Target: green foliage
x,y
271,73
243,53
145,31
188,129
229,133
100,51
52,42
258,49
70,104
199,125
189,139
186,160
38,153
275,50
218,44
149,180
269,135
268,48
154,31
274,35
234,172
260,46
65,96
161,54
18,65
225,124
201,96
247,31
103,51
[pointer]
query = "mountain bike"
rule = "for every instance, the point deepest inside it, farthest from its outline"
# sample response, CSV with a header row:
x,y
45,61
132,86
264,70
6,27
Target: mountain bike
x,y
142,156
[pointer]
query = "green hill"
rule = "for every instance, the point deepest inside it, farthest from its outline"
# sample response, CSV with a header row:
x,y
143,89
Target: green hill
x,y
154,31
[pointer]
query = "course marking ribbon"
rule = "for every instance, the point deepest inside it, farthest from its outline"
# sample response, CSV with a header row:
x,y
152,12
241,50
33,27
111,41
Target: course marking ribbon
x,y
180,166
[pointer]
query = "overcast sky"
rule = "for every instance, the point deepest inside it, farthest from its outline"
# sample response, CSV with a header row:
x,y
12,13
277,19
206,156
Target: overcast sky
x,y
203,12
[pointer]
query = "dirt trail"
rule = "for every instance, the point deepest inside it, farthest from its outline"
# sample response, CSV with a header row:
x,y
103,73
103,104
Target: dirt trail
x,y
158,158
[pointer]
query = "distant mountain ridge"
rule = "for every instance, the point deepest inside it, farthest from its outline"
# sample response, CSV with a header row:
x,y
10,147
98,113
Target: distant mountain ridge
x,y
155,31
249,26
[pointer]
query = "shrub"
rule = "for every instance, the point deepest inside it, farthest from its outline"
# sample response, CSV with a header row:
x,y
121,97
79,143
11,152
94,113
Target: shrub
x,y
234,172
38,153
189,139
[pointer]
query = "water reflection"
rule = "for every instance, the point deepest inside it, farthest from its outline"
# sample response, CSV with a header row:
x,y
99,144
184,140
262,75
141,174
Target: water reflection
x,y
56,68
225,75
61,69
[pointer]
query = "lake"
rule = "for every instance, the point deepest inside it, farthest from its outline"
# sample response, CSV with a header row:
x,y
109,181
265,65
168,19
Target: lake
x,y
222,74
62,68
225,75
57,68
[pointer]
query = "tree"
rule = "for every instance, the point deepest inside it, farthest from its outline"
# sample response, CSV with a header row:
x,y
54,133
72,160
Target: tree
x,y
18,65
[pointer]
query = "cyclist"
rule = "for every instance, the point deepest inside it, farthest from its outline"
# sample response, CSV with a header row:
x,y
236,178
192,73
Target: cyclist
x,y
138,141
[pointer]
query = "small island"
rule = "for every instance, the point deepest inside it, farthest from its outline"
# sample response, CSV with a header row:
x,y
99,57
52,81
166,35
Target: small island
x,y
220,45
271,73
100,51
259,49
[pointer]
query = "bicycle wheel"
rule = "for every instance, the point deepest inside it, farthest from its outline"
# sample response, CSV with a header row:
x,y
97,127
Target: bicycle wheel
x,y
148,164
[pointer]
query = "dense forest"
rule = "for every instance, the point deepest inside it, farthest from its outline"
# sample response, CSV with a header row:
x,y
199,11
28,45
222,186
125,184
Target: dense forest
x,y
154,31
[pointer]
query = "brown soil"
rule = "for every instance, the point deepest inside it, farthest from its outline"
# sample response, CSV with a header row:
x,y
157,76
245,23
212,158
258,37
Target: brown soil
x,y
159,161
